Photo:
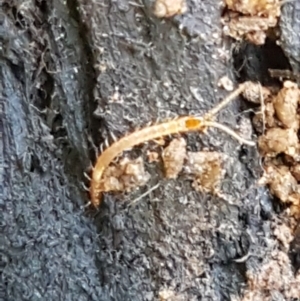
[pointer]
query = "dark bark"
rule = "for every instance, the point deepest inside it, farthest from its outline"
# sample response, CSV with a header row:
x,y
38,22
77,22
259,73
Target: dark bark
x,y
290,33
55,101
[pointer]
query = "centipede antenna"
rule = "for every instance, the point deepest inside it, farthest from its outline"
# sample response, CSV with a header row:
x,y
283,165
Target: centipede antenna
x,y
229,132
224,102
87,176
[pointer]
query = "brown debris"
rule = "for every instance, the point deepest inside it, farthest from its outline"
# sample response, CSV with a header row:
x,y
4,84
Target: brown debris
x,y
169,8
279,141
250,19
255,92
275,277
282,184
279,144
254,7
284,235
170,295
152,156
295,170
265,118
208,170
226,83
173,157
286,104
125,176
166,295
251,28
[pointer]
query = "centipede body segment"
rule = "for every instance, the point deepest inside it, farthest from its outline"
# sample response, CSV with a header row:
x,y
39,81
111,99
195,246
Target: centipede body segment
x,y
179,125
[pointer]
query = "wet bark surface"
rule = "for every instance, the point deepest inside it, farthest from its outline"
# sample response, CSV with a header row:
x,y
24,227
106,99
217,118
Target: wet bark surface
x,y
62,64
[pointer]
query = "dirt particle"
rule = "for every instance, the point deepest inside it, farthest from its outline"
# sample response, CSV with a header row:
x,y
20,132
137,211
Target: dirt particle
x,y
169,8
279,141
254,7
126,176
226,83
295,170
278,144
281,182
265,118
170,295
284,235
152,156
255,92
286,104
250,19
275,277
173,157
207,169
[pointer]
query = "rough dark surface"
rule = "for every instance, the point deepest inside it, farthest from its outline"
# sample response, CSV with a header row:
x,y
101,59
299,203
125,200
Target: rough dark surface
x,y
290,33
60,67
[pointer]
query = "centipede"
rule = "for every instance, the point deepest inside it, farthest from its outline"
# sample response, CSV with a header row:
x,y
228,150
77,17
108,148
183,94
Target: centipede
x,y
178,125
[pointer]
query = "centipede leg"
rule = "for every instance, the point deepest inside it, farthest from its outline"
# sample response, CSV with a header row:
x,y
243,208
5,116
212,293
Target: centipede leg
x,y
84,187
90,167
106,143
90,139
88,204
114,138
87,176
101,147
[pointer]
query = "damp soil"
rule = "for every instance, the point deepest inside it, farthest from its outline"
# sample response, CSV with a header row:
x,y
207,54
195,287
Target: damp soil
x,y
62,64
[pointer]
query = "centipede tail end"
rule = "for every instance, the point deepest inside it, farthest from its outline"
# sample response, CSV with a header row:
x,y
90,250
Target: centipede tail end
x,y
95,194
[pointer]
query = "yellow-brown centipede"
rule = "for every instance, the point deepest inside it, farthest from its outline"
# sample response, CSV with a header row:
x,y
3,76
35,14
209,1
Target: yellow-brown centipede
x,y
178,125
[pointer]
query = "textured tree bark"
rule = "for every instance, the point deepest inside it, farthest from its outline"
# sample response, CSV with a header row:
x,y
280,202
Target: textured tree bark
x,y
290,34
62,63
